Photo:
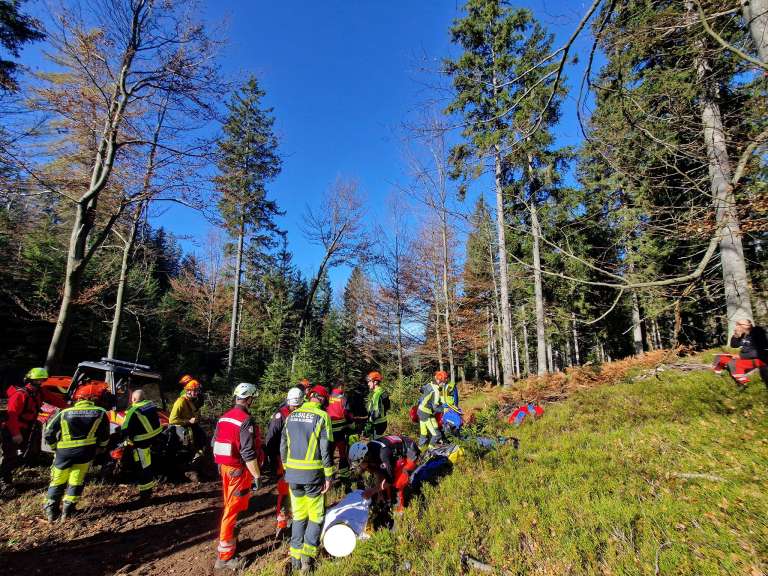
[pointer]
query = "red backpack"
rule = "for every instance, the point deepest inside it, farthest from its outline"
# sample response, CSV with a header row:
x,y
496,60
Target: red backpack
x,y
337,408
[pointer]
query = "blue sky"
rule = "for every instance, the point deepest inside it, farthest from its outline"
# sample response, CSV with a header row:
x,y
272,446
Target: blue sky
x,y
343,76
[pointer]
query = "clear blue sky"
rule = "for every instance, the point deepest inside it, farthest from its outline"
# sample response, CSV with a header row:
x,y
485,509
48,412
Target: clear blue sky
x,y
342,76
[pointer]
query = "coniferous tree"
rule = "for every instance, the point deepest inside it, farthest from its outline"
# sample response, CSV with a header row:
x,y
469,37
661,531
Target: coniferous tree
x,y
247,161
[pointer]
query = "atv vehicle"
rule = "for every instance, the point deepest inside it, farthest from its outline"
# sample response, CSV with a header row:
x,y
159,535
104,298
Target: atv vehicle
x,y
118,378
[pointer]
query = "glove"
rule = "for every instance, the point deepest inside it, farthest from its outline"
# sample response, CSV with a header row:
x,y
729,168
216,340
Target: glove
x,y
256,484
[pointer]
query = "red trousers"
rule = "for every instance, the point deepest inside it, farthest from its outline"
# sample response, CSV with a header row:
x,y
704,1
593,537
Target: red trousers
x,y
738,367
402,467
236,484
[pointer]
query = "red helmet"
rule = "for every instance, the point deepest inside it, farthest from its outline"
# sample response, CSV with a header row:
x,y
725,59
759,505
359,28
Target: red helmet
x,y
320,391
374,376
89,392
441,376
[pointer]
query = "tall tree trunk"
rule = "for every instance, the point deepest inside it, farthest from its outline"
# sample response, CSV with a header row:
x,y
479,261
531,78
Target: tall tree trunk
x,y
568,358
400,343
550,359
541,344
755,14
657,335
576,358
506,319
80,253
446,295
516,350
121,285
236,303
735,278
637,331
526,350
438,336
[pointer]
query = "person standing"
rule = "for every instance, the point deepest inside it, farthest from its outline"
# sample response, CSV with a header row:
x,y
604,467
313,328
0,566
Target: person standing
x,y
429,404
76,434
305,450
24,404
294,399
340,422
378,406
236,450
141,427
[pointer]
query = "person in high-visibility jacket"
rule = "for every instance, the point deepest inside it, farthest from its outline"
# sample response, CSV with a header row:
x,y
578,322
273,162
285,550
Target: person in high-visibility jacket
x,y
294,399
237,450
141,427
341,419
378,406
449,389
306,455
430,404
76,434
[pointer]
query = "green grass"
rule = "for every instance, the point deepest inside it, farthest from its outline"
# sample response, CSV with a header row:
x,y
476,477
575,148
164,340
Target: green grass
x,y
596,488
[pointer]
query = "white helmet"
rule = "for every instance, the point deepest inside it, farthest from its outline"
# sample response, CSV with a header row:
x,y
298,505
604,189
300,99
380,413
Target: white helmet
x,y
245,390
295,397
357,453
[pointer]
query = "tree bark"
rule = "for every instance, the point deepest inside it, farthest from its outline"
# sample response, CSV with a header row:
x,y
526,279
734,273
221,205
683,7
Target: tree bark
x,y
446,294
755,13
541,344
516,351
236,303
734,268
637,331
526,351
576,358
121,285
438,338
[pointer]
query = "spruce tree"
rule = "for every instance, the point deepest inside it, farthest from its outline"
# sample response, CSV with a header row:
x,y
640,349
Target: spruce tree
x,y
247,161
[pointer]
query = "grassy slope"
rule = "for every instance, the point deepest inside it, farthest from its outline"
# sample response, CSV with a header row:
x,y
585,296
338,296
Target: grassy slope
x,y
594,489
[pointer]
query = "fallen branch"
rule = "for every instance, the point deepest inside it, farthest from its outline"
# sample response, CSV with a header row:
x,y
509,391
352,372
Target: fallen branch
x,y
697,476
470,563
658,553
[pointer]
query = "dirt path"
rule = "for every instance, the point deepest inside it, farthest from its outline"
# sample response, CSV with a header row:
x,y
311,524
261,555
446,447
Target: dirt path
x,y
174,535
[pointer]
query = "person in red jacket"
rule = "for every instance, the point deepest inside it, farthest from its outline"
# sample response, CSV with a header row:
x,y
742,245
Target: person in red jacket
x,y
238,452
341,419
24,403
294,399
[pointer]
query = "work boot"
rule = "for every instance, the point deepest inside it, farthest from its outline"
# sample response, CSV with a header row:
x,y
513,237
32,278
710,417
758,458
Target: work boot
x,y
51,510
295,565
7,490
307,565
235,564
68,511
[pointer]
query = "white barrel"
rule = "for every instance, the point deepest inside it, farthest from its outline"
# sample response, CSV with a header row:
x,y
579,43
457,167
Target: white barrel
x,y
345,523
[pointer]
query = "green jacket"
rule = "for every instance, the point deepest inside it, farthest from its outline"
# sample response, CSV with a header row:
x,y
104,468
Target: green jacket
x,y
378,406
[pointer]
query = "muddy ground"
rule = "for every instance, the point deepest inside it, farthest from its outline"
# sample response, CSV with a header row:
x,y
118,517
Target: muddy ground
x,y
176,534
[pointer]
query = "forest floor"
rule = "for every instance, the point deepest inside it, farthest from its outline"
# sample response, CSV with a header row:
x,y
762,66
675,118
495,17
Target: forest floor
x,y
176,534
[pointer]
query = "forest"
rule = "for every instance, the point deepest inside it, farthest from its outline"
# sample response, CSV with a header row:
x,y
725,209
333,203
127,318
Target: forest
x,y
503,255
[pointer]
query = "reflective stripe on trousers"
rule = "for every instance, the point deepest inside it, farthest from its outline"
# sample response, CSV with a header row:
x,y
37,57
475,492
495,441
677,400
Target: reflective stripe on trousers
x,y
143,456
308,506
236,487
70,480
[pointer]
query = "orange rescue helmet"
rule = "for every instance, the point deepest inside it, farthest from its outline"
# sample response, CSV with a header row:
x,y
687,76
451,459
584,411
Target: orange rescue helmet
x,y
89,392
186,378
374,376
305,383
192,385
441,376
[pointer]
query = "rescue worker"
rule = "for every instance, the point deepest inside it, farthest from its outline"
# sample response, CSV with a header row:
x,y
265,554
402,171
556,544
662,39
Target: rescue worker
x,y
306,454
449,389
24,404
390,459
76,434
293,400
753,343
185,414
378,406
341,419
141,427
430,404
236,449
